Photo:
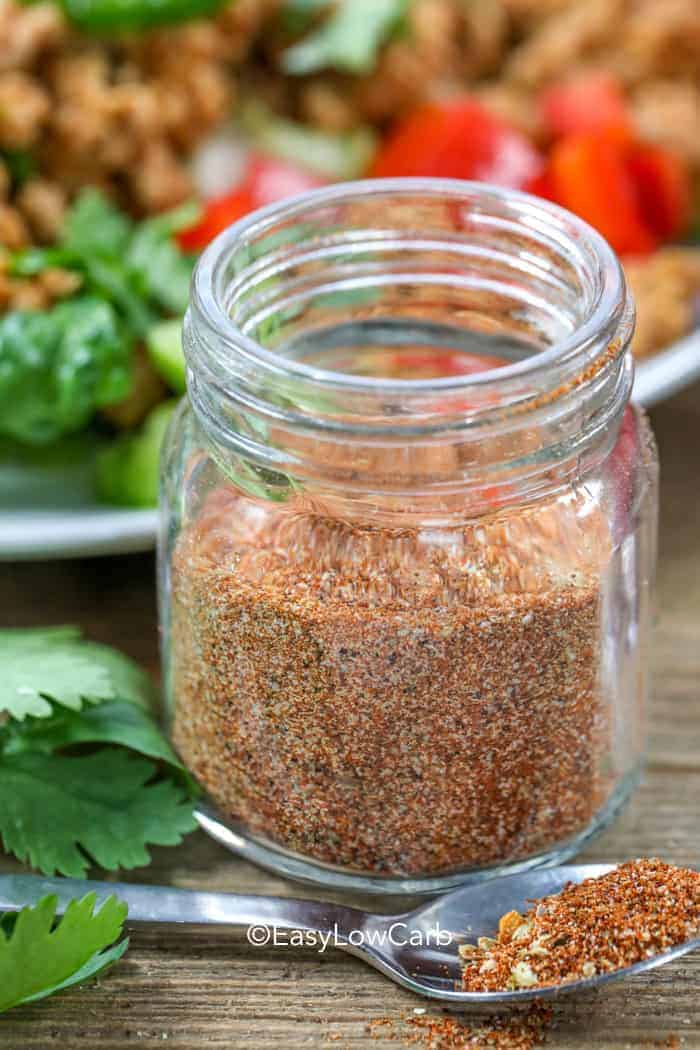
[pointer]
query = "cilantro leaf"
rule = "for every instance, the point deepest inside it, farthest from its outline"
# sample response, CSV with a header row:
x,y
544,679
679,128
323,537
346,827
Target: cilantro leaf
x,y
295,16
56,809
109,16
58,366
37,664
56,663
29,638
39,957
138,267
154,253
20,164
112,722
96,964
93,225
348,40
128,681
123,289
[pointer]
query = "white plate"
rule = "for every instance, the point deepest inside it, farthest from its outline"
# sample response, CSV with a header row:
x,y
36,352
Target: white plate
x,y
79,527
81,531
49,510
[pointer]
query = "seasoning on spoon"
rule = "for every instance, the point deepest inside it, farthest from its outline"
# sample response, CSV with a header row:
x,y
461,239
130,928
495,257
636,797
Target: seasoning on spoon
x,y
640,909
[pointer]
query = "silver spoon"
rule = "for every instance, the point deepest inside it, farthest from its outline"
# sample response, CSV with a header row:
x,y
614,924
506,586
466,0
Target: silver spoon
x,y
384,941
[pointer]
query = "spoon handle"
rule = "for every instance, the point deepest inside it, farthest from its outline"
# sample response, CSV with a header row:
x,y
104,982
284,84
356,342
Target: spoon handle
x,y
169,905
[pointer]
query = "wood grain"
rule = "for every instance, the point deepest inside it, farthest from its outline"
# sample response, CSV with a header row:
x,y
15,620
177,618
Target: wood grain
x,y
199,989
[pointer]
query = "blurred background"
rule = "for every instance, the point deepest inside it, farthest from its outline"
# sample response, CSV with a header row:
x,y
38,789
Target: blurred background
x,y
133,131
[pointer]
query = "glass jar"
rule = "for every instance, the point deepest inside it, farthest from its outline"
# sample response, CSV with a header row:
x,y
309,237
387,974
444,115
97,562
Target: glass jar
x,y
408,536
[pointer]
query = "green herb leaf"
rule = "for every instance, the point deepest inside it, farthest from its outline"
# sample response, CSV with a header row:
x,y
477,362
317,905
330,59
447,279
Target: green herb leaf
x,y
93,226
349,40
56,809
39,957
55,663
58,366
112,722
95,965
28,262
20,164
296,15
153,253
137,268
37,664
110,15
128,681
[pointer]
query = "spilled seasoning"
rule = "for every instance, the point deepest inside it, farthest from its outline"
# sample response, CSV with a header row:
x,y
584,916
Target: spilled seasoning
x,y
522,1031
394,701
639,910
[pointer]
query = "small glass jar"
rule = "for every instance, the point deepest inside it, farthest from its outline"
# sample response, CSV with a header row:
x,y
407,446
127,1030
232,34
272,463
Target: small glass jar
x,y
408,536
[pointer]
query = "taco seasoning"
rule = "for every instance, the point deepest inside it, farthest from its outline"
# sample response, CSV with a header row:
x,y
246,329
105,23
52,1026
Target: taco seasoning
x,y
638,910
405,606
524,1030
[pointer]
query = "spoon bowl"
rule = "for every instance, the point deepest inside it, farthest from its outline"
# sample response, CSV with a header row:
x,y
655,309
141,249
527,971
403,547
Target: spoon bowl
x,y
474,911
417,949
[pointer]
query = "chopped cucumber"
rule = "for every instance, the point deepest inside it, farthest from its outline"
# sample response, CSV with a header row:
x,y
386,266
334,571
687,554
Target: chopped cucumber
x,y
164,344
127,470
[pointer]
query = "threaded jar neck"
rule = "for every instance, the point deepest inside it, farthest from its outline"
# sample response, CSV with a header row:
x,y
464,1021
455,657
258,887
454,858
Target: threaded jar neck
x,y
409,347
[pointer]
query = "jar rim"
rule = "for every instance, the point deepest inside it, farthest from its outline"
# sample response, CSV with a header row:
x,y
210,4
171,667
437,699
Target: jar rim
x,y
603,318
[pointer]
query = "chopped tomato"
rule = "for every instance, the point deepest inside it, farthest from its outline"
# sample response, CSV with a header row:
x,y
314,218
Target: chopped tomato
x,y
663,188
541,186
590,175
458,139
218,214
589,102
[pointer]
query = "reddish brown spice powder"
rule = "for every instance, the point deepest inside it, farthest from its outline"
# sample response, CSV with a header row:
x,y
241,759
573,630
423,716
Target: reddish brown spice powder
x,y
522,1031
638,910
393,701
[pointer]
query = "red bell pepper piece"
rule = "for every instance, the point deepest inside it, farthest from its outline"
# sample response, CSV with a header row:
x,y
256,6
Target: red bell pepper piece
x,y
458,139
590,175
589,102
219,213
663,189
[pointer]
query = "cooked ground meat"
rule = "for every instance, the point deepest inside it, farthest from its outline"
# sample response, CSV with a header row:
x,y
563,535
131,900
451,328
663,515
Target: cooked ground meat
x,y
25,106
13,229
668,112
42,203
27,32
666,287
124,116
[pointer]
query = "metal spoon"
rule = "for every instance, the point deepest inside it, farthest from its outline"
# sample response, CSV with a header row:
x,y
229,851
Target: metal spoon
x,y
403,947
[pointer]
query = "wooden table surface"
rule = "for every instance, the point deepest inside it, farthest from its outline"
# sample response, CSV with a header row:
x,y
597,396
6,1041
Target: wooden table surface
x,y
201,989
